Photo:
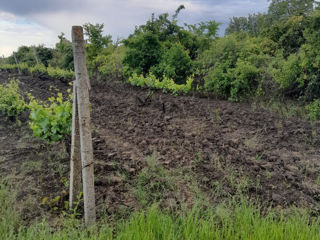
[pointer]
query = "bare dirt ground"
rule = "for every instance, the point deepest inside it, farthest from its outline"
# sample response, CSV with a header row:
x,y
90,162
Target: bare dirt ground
x,y
206,147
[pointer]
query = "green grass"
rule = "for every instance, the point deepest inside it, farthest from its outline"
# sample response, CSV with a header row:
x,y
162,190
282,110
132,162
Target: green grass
x,y
233,221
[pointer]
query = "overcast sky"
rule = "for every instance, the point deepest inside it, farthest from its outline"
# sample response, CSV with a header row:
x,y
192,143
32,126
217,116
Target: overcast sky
x,y
33,22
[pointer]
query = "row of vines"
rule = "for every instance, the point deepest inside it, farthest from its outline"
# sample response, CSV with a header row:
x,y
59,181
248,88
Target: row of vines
x,y
49,120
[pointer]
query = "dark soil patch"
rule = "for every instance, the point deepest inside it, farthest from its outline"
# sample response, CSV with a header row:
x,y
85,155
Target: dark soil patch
x,y
230,149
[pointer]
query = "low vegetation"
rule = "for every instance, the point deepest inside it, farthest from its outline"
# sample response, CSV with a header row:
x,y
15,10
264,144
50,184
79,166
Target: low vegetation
x,y
40,70
166,85
11,102
51,122
226,221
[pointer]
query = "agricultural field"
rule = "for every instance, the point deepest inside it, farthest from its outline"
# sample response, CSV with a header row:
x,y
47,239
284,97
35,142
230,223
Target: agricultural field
x,y
179,153
195,134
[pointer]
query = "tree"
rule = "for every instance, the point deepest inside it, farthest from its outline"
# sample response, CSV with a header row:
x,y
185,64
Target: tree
x,y
63,55
175,64
96,41
237,24
144,51
44,54
165,48
253,24
26,55
282,9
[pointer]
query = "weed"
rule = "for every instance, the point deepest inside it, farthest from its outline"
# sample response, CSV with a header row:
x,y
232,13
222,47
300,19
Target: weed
x,y
318,181
198,159
230,220
252,142
218,117
153,183
31,166
268,175
259,156
243,185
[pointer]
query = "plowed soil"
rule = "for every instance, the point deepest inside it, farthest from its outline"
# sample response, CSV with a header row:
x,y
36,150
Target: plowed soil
x,y
227,149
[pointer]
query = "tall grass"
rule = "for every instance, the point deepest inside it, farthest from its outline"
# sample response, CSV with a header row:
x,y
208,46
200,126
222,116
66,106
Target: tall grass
x,y
234,221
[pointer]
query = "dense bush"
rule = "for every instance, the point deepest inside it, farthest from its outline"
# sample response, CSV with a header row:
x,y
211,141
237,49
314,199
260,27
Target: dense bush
x,y
11,102
30,55
288,74
175,64
108,64
144,51
62,54
233,67
164,48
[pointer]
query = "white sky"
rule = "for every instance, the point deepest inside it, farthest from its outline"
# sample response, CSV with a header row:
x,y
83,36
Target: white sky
x,y
36,22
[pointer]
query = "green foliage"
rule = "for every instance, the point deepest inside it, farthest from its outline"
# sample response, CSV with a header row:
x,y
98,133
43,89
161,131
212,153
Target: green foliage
x,y
288,34
233,66
269,55
164,48
224,221
10,220
166,84
28,55
14,67
96,41
109,65
11,101
44,55
153,183
62,54
254,24
288,73
176,64
51,122
23,55
40,70
283,9
144,51
314,110
104,59
58,73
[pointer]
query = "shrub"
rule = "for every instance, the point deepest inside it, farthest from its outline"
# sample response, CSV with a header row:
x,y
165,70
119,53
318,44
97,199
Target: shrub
x,y
314,110
53,121
175,64
60,73
11,102
289,75
38,70
166,85
109,63
234,66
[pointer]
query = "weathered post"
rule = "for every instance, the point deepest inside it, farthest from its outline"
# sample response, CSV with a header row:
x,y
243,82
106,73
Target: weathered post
x,y
16,60
35,55
82,101
75,157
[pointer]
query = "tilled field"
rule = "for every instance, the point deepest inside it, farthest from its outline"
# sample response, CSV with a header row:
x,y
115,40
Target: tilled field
x,y
217,148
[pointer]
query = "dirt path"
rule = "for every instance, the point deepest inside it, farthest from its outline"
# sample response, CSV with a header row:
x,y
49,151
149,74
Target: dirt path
x,y
228,148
